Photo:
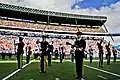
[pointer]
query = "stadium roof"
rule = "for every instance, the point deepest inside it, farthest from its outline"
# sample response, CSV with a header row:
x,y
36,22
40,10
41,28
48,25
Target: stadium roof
x,y
19,12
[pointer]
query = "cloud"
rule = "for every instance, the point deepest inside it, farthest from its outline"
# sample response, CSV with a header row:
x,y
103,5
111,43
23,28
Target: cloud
x,y
42,4
112,11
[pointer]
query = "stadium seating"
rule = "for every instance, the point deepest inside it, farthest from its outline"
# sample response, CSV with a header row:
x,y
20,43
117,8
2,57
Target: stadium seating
x,y
49,27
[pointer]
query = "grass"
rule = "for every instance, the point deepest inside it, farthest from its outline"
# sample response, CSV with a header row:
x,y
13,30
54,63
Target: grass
x,y
113,67
14,58
56,70
64,71
7,68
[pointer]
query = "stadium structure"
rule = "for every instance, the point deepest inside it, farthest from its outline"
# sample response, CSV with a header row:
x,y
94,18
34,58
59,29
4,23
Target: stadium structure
x,y
20,14
22,21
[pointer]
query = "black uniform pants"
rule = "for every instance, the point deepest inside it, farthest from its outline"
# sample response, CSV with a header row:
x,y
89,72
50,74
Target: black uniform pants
x,y
43,63
115,58
79,63
91,59
49,57
19,59
108,59
100,59
60,57
3,55
27,59
10,55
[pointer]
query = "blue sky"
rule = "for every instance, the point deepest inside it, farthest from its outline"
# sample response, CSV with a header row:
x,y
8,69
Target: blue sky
x,y
93,3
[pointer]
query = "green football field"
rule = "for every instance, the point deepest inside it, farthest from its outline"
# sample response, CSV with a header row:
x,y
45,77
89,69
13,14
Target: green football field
x,y
63,71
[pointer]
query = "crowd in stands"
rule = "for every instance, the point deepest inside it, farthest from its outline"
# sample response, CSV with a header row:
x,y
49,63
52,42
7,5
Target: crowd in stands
x,y
7,43
49,27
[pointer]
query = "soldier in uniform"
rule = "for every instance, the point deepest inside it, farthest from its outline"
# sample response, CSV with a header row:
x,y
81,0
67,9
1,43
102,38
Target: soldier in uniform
x,y
100,47
80,45
108,53
20,52
44,47
91,53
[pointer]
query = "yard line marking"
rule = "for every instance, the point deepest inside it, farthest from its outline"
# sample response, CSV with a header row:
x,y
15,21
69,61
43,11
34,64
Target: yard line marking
x,y
114,74
57,79
101,77
27,64
74,62
13,73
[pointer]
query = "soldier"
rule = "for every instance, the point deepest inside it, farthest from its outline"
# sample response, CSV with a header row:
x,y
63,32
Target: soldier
x,y
100,47
44,47
80,45
108,53
91,53
114,54
20,52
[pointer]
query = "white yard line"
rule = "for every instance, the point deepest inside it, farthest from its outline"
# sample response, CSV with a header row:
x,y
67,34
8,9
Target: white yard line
x,y
108,72
98,60
101,77
70,60
5,78
13,73
57,79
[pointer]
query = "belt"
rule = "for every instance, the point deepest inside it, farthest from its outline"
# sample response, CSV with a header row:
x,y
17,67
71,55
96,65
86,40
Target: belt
x,y
79,49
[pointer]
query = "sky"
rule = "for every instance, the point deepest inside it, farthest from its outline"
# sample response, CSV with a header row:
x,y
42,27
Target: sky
x,y
109,8
93,3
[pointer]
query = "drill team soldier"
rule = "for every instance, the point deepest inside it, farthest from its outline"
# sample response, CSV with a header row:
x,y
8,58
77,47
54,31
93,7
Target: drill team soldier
x,y
80,45
44,46
108,53
20,52
100,47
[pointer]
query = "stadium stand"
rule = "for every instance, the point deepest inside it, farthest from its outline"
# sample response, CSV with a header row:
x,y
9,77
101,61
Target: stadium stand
x,y
49,27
